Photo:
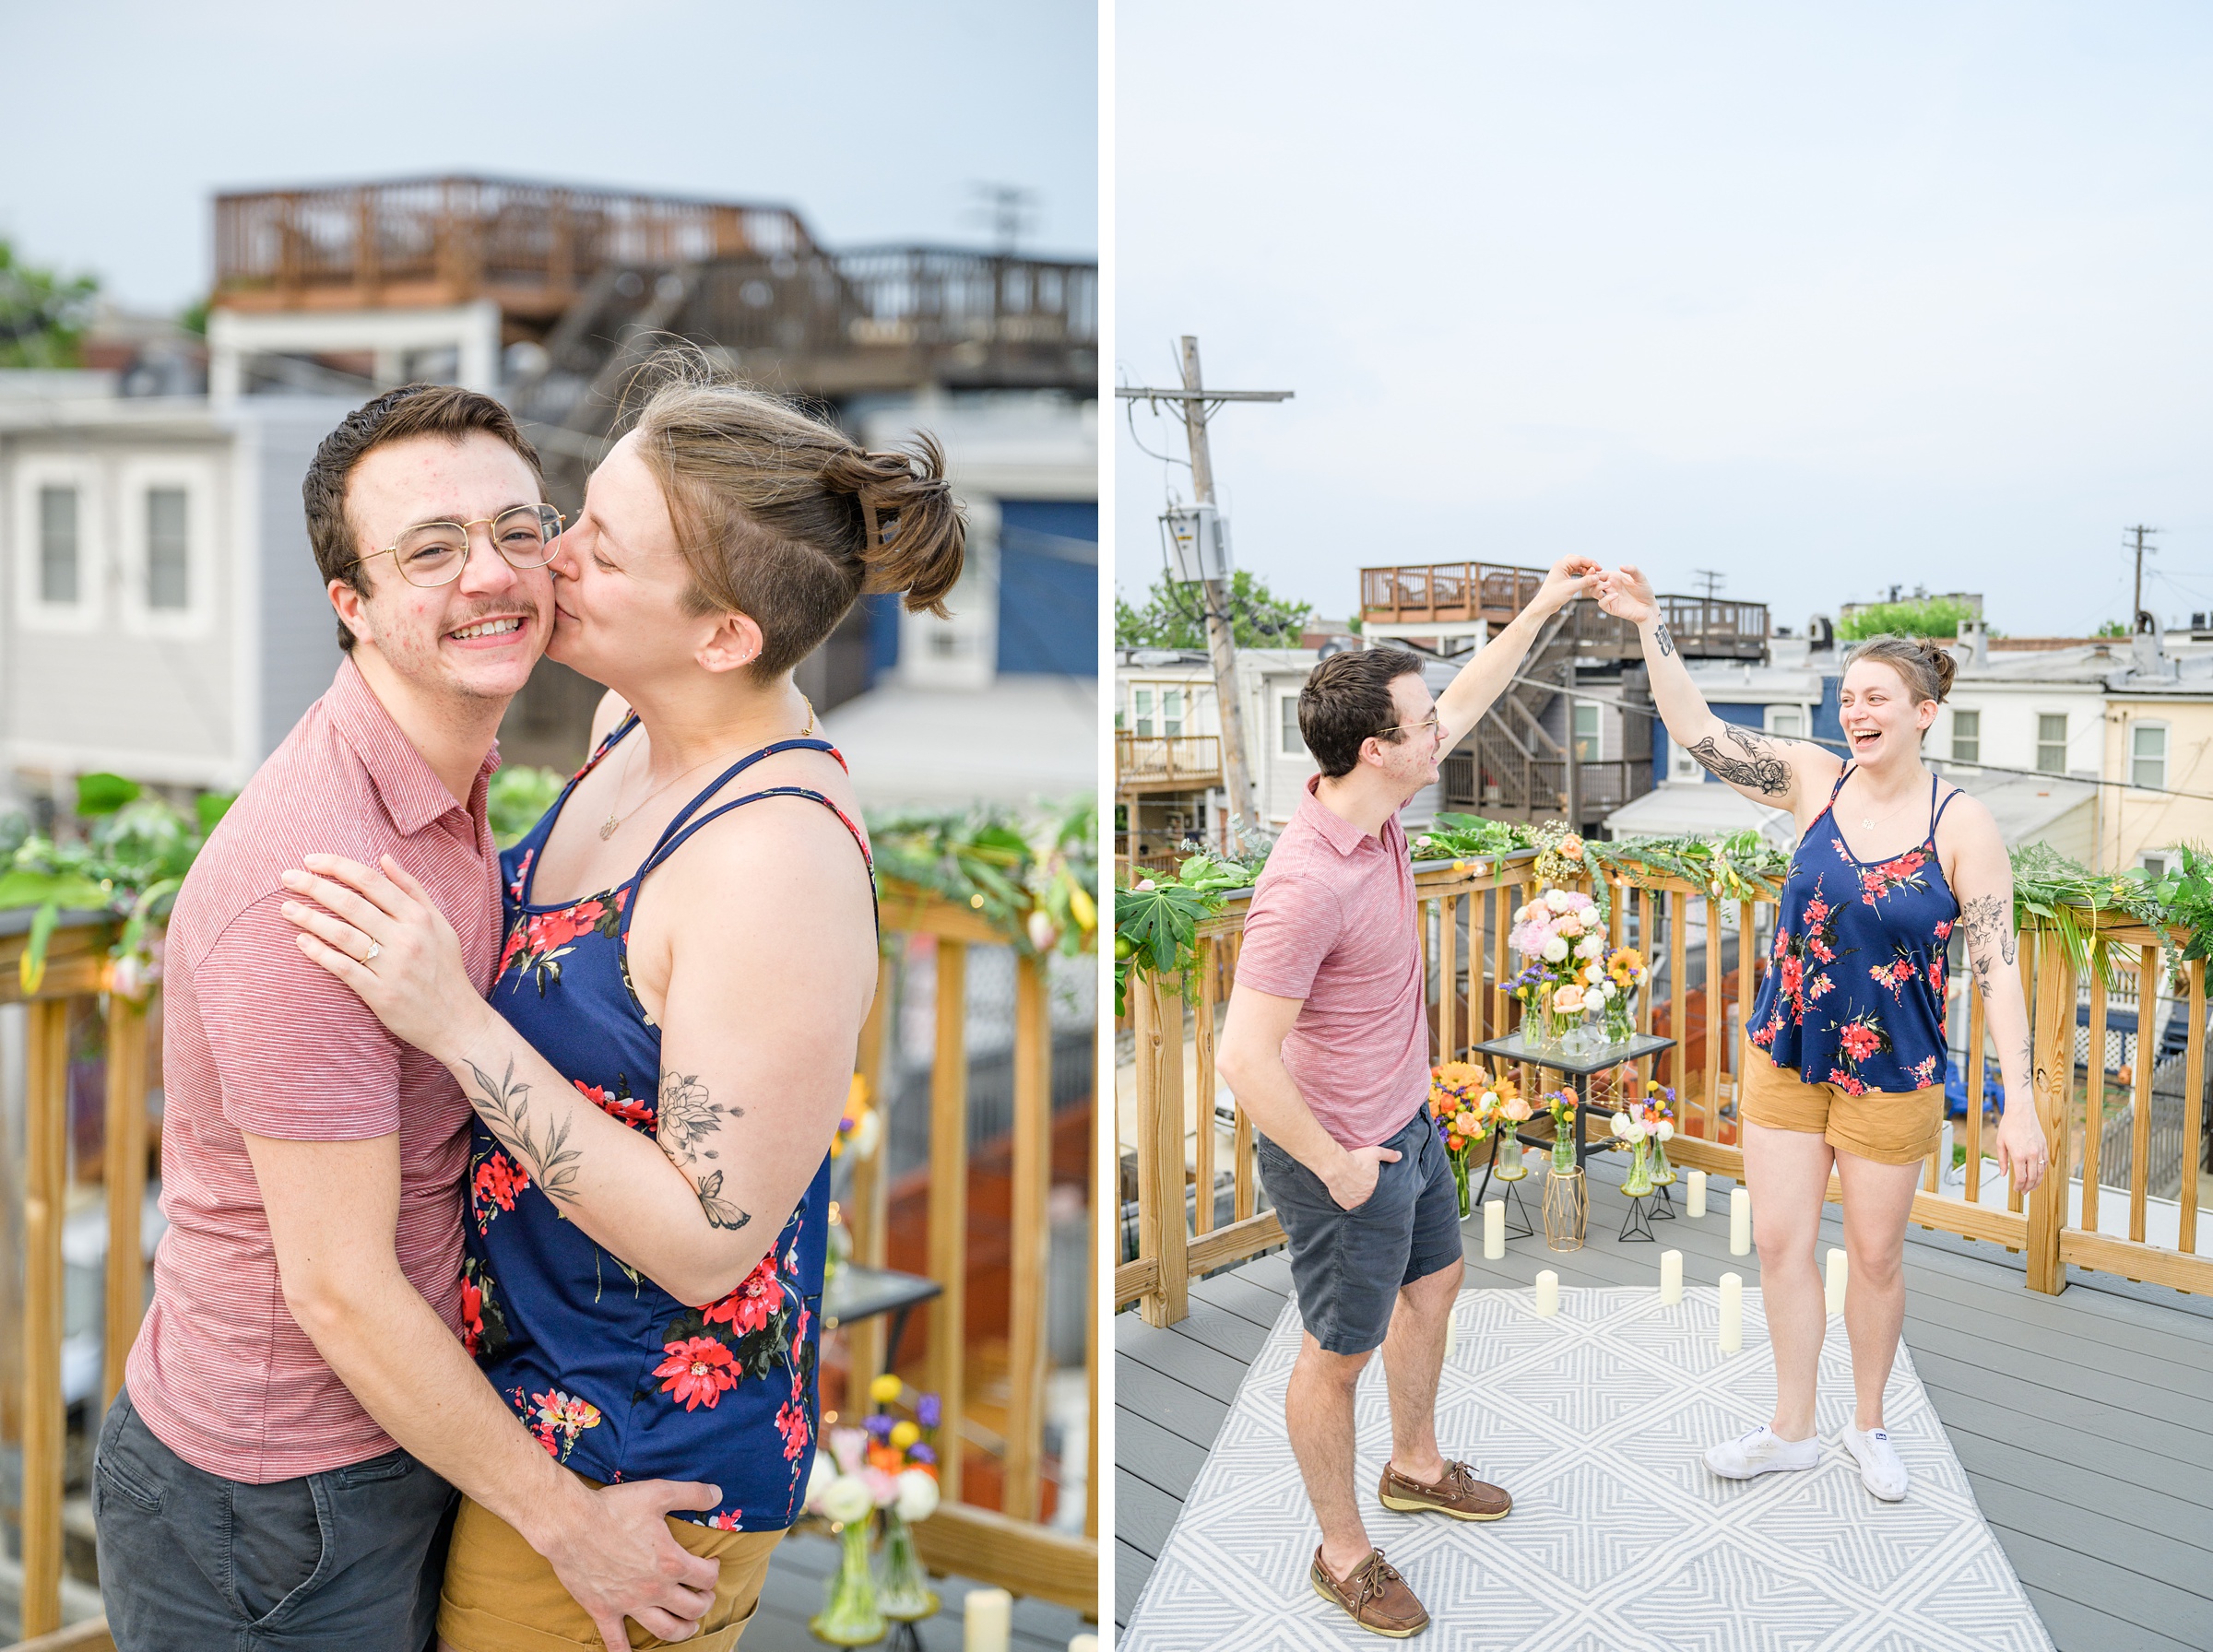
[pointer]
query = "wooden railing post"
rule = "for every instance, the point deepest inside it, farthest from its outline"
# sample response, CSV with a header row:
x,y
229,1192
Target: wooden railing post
x,y
1029,1235
949,1209
45,1193
2053,1083
868,1201
1162,1235
125,1177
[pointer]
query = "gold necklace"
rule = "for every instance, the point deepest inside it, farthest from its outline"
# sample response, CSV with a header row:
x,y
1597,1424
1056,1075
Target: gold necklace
x,y
614,820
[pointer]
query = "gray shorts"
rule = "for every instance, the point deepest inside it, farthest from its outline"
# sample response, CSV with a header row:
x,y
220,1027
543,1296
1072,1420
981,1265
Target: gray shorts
x,y
350,1560
1348,1265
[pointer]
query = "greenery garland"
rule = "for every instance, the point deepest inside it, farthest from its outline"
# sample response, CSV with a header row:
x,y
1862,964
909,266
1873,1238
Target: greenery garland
x,y
1033,878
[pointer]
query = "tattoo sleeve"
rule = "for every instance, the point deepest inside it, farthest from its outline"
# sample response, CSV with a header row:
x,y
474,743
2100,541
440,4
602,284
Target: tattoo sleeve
x,y
1666,643
1990,938
689,1120
1760,767
505,1106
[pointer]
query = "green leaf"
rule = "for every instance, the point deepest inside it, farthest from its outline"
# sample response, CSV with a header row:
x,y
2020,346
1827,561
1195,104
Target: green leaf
x,y
103,794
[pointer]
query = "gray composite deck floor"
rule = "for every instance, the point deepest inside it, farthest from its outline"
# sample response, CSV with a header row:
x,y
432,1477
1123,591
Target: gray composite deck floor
x,y
793,1592
2084,1421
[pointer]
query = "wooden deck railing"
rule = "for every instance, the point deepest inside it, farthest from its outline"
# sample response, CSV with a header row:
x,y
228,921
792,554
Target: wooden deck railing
x,y
1007,1546
1165,762
1465,919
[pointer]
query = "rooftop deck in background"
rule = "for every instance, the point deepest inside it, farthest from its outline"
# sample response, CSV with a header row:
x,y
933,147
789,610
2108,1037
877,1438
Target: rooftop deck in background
x,y
2084,1421
1458,594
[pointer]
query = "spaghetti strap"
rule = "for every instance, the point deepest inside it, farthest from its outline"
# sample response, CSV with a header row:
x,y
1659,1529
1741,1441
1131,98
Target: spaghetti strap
x,y
1938,816
723,779
1840,786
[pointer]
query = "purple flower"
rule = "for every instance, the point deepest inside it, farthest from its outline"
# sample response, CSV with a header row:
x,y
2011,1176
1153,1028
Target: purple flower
x,y
879,1427
926,1410
919,1453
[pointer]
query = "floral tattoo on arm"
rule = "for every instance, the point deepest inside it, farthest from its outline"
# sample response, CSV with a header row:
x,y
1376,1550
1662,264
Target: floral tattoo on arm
x,y
1990,937
689,1120
505,1106
1761,767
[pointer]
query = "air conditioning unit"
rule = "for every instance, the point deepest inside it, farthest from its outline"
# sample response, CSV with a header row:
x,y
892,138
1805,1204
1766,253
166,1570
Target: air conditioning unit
x,y
1197,544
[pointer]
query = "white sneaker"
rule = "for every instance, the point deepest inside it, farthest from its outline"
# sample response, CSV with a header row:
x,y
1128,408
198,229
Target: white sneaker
x,y
1762,1452
1880,1471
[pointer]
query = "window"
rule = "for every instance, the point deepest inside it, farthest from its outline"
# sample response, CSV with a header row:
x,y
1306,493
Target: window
x,y
2147,751
57,545
1788,722
167,550
2155,865
1171,711
1966,737
2051,743
1291,743
1586,732
1141,707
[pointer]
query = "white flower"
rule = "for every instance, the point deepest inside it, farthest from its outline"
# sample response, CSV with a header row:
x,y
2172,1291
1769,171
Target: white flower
x,y
1637,1130
1601,992
1667,1131
1590,946
1559,900
1555,950
848,1499
1489,1099
1144,883
1423,841
1620,1125
1593,975
1044,932
918,1495
818,1477
867,1134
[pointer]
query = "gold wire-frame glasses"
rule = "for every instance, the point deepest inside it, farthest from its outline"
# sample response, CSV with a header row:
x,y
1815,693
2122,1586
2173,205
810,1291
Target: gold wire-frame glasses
x,y
1432,722
434,553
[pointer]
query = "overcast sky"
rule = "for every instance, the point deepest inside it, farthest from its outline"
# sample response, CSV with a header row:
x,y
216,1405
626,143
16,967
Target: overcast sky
x,y
122,118
1824,297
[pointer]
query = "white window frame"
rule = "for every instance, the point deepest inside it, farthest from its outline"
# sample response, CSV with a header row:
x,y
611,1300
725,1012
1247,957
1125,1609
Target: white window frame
x,y
1179,713
1805,719
1142,717
90,611
2065,738
1598,730
2166,751
2165,857
1289,742
135,478
1970,711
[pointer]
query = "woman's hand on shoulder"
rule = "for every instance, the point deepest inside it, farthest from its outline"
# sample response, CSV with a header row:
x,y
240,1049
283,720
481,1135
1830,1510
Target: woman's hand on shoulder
x,y
381,933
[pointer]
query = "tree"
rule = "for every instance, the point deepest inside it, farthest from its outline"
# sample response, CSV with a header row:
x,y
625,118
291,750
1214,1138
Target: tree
x,y
1175,617
42,314
1926,616
2112,627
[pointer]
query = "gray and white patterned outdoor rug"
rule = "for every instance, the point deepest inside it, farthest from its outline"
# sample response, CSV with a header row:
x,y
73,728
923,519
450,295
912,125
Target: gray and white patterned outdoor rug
x,y
1594,1418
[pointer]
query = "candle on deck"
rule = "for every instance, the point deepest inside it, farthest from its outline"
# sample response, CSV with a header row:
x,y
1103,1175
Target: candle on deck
x,y
1451,1329
1733,1312
1548,1292
1739,1221
1834,1288
989,1625
1494,1229
1671,1277
1083,1643
1697,1194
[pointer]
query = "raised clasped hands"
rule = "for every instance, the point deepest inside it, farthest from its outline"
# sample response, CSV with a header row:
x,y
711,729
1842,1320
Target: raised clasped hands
x,y
382,935
1625,594
1572,576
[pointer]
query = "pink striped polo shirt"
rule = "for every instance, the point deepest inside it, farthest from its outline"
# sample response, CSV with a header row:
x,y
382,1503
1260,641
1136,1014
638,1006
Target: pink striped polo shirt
x,y
1332,923
257,1038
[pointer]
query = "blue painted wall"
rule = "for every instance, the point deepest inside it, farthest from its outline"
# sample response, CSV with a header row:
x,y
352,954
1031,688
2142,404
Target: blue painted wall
x,y
1745,716
1049,586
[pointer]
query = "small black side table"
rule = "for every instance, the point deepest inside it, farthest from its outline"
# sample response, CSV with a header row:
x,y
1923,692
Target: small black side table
x,y
857,1292
1513,1048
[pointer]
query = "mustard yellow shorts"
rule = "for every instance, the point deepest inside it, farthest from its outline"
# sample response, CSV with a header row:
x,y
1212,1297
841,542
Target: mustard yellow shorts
x,y
501,1596
1888,1126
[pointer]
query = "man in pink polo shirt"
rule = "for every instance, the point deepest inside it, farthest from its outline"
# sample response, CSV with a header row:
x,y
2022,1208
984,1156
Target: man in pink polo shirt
x,y
1327,1046
279,1468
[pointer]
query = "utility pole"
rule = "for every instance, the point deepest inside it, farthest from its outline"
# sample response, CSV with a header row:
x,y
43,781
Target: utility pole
x,y
1199,404
1711,579
2137,607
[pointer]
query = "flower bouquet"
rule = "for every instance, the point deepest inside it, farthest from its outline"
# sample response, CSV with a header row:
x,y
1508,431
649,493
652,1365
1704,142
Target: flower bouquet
x,y
1644,1126
1560,1104
905,1452
1559,936
1465,1107
841,1489
1625,974
1506,1152
859,1133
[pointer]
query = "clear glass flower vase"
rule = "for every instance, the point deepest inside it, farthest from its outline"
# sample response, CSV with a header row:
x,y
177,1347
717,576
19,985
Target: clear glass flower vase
x,y
850,1616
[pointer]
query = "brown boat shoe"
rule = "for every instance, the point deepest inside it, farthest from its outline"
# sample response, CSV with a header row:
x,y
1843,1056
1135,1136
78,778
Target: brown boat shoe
x,y
1374,1594
1459,1493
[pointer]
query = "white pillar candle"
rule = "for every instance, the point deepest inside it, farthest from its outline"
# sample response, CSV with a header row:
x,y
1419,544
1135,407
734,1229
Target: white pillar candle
x,y
1739,1221
1671,1277
1083,1643
988,1622
1452,1330
1834,1290
1548,1292
1733,1312
1697,1194
1494,1229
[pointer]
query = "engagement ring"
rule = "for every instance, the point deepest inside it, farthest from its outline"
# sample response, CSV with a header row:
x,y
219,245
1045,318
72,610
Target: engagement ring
x,y
370,956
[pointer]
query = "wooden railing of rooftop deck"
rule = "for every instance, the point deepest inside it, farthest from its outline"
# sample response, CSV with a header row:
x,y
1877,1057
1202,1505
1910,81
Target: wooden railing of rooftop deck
x,y
1007,1546
1464,914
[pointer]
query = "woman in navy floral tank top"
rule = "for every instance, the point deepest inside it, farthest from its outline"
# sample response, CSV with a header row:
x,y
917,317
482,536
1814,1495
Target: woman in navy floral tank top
x,y
1843,1067
690,949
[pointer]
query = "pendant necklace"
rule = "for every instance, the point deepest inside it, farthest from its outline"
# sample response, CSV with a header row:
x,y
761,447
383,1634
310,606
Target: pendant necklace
x,y
615,819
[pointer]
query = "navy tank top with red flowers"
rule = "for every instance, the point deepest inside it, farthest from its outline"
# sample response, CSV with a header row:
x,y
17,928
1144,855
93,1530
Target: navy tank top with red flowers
x,y
615,1378
1854,993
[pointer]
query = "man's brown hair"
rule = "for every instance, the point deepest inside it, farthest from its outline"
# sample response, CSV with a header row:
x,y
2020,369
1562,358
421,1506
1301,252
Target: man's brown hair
x,y
444,410
1347,699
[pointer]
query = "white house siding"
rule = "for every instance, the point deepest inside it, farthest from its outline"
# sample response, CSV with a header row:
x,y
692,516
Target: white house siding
x,y
2008,713
151,695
